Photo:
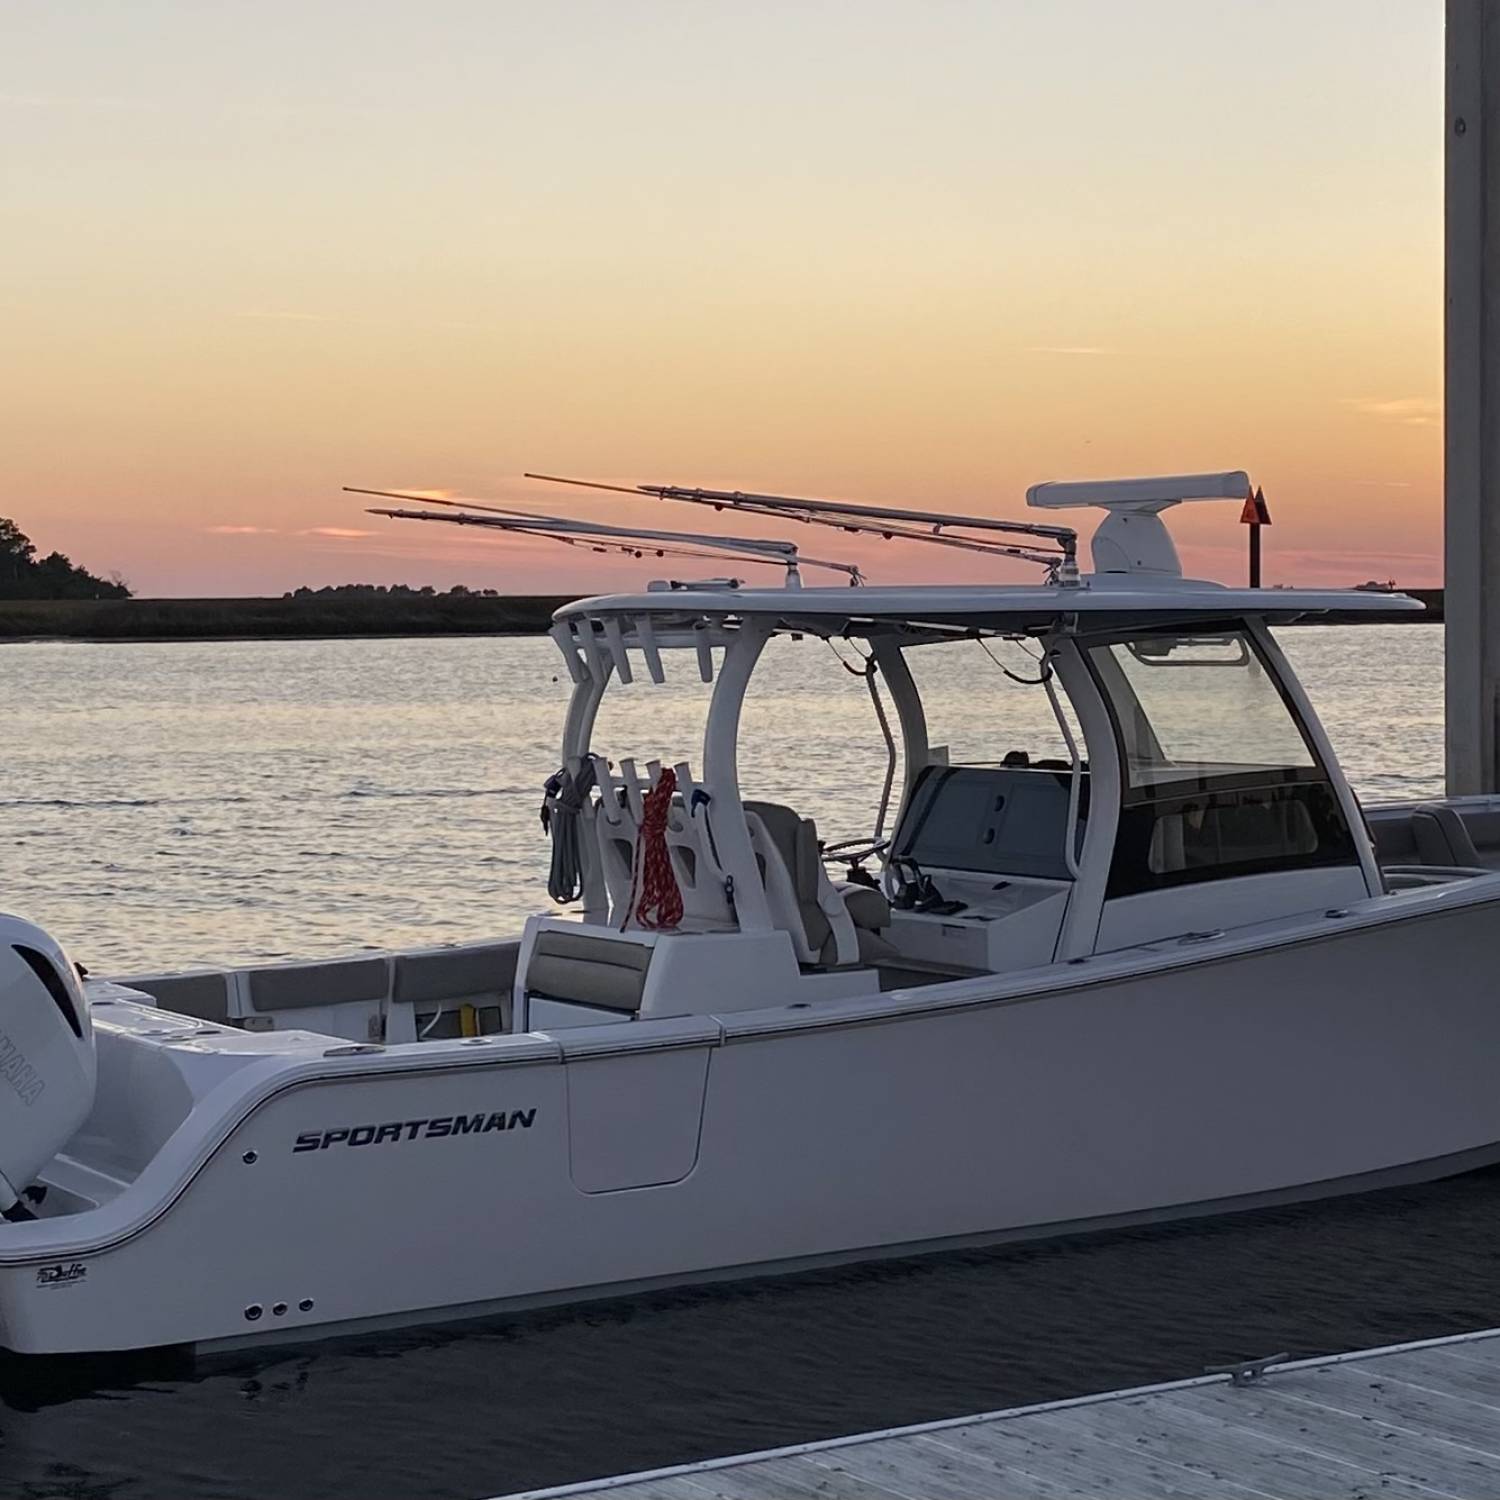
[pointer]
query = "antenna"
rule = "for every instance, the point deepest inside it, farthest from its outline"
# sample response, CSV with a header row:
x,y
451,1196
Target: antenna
x,y
1133,538
629,540
934,527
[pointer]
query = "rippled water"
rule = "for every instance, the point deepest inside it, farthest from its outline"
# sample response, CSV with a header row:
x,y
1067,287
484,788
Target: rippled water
x,y
165,803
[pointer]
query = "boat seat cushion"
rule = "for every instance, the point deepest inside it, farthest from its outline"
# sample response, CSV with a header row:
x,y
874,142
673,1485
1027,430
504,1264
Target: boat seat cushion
x,y
302,986
1483,825
588,970
454,973
868,908
873,948
200,993
796,841
1441,836
870,914
1200,836
1395,839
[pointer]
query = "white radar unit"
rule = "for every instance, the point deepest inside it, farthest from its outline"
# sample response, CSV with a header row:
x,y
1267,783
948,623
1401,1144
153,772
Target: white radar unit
x,y
1133,539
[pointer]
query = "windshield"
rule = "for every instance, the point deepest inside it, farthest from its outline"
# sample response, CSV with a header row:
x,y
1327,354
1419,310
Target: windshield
x,y
985,704
1220,780
1193,707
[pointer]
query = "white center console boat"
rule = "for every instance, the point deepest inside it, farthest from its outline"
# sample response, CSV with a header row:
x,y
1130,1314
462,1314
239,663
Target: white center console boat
x,y
1169,970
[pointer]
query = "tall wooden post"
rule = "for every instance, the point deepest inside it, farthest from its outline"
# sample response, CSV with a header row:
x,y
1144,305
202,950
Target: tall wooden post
x,y
1471,406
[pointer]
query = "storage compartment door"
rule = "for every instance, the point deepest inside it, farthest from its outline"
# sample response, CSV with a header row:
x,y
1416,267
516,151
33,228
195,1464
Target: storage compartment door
x,y
635,1111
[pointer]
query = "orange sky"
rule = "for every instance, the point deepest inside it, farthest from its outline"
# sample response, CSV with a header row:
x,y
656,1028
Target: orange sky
x,y
918,254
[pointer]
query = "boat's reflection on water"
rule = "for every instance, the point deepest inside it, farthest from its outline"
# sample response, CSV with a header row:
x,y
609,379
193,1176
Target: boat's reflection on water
x,y
474,1409
29,1382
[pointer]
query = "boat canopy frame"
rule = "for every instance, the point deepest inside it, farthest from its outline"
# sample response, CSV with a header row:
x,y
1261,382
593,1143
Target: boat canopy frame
x,y
597,639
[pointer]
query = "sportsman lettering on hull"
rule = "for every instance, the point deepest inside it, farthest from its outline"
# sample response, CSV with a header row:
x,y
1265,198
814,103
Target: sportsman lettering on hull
x,y
411,1130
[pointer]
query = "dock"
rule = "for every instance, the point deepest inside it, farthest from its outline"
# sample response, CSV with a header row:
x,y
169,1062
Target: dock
x,y
1414,1420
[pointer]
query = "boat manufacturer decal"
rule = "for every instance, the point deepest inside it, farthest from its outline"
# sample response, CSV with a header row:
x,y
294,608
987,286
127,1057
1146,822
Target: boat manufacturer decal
x,y
413,1130
62,1275
19,1073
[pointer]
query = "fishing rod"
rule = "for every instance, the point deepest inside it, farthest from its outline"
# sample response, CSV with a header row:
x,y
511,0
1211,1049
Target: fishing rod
x,y
492,510
529,519
628,540
889,523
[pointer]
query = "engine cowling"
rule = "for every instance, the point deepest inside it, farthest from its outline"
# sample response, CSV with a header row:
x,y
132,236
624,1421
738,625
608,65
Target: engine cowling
x,y
47,1063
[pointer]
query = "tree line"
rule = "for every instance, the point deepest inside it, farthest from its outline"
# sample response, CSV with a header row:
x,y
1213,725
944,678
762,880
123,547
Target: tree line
x,y
393,590
24,575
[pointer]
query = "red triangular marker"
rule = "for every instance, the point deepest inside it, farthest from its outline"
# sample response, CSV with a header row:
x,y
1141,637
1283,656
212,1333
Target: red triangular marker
x,y
1255,511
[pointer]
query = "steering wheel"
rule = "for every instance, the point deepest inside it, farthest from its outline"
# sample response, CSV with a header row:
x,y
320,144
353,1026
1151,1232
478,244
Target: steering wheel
x,y
852,851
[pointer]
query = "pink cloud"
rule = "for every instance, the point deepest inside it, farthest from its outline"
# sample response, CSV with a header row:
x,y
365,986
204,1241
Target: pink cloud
x,y
1410,411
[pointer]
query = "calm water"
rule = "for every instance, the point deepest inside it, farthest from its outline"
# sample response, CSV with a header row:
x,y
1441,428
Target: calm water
x,y
163,804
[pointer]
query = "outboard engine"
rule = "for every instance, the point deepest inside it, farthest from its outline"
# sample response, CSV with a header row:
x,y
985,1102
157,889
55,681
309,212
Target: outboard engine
x,y
47,1062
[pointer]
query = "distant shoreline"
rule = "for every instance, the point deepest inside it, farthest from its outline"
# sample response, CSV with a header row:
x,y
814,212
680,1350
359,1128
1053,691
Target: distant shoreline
x,y
335,617
309,617
1432,615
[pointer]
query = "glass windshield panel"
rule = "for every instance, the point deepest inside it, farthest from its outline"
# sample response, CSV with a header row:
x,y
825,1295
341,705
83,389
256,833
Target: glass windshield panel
x,y
984,702
1196,707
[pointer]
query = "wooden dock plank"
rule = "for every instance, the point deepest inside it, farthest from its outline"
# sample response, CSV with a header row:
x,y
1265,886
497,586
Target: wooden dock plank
x,y
912,1472
1414,1422
1484,1352
1075,1454
1023,1467
1212,1454
1365,1392
680,1487
1014,1464
926,1467
1445,1371
794,1478
1414,1458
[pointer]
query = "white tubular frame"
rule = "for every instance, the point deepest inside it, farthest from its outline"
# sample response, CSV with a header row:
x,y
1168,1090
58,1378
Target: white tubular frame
x,y
1075,766
1080,928
911,718
578,729
726,811
729,853
910,714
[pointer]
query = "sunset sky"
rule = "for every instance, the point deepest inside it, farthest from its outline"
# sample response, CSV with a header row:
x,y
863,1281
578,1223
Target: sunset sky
x,y
917,253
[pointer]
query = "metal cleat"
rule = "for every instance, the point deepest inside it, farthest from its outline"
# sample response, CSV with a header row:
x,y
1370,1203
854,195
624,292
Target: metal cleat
x,y
1249,1371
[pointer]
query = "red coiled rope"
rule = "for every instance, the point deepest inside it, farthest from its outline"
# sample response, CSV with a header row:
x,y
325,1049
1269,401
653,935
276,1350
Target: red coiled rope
x,y
660,902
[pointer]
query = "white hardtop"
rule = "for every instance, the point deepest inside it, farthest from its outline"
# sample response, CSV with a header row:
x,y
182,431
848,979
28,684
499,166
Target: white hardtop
x,y
979,604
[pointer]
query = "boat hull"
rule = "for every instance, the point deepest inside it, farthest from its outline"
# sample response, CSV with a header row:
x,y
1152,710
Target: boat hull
x,y
1352,1055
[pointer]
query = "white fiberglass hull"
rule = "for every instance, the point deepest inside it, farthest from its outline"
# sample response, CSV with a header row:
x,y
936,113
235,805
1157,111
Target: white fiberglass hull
x,y
311,1194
